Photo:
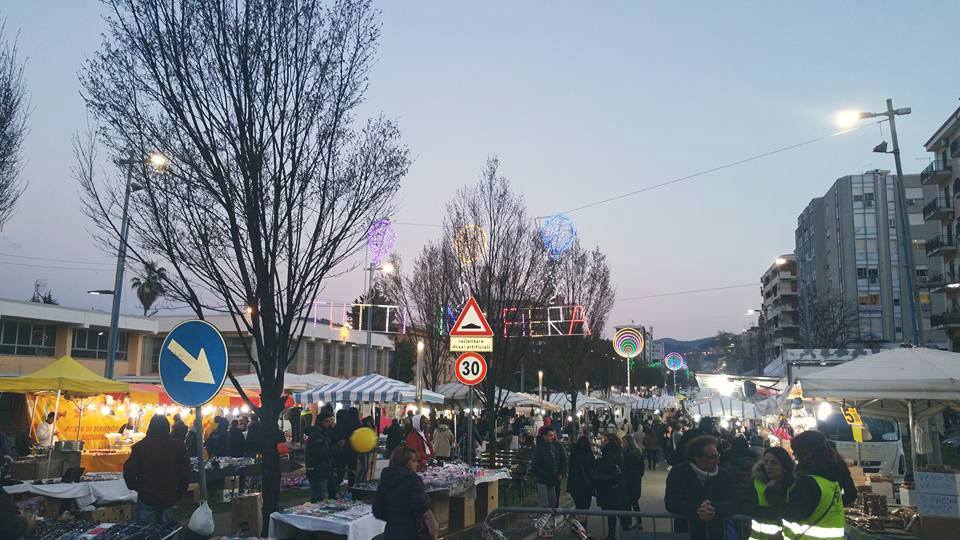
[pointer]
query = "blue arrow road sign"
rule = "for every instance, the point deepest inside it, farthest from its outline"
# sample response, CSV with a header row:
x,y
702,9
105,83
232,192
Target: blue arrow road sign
x,y
193,363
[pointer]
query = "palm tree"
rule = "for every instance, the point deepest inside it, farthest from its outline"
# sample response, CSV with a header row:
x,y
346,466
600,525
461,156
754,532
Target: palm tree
x,y
149,285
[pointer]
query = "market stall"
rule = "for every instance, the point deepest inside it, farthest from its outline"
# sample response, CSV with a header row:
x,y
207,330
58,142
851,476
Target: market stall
x,y
372,388
351,520
86,494
562,400
458,392
658,403
724,407
294,382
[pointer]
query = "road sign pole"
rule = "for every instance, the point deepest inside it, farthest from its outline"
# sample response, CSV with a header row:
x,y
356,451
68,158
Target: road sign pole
x,y
198,426
469,448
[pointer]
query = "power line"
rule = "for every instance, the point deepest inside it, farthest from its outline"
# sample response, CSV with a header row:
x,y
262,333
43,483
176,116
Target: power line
x,y
54,267
691,291
69,261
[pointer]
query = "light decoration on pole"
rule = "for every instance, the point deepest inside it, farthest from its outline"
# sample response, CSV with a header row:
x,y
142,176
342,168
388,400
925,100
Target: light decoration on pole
x,y
381,239
628,342
558,235
470,243
674,361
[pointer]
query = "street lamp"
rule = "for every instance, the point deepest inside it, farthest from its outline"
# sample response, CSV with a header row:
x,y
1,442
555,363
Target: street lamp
x,y
159,163
420,373
849,119
587,384
540,376
97,292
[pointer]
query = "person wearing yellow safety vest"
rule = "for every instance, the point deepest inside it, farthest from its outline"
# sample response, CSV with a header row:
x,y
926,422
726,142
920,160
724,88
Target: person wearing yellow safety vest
x,y
812,509
774,472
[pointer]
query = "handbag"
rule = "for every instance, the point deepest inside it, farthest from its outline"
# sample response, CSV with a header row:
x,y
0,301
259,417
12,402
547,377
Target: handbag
x,y
428,528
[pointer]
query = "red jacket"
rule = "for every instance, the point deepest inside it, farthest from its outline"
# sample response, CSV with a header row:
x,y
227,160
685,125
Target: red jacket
x,y
415,441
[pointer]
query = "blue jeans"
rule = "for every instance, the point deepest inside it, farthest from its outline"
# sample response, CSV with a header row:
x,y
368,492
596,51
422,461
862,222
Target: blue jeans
x,y
318,489
146,514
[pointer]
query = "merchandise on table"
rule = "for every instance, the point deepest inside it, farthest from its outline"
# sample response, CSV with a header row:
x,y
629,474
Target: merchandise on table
x,y
55,530
292,482
338,510
101,477
222,463
132,530
456,478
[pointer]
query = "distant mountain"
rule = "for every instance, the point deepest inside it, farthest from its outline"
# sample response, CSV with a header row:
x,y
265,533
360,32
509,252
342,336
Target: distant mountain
x,y
697,345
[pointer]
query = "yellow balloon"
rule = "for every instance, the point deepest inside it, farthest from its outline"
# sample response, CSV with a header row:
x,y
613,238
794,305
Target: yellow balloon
x,y
363,440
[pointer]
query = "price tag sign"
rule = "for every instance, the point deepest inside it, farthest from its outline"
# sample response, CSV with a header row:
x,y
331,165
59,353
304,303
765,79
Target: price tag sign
x,y
471,368
852,416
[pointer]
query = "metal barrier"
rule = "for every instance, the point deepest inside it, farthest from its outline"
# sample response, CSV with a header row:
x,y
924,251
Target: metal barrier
x,y
574,524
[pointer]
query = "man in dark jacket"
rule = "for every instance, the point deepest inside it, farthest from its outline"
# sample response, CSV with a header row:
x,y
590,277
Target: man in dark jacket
x,y
701,491
395,436
549,462
739,461
179,430
254,443
320,452
706,427
218,444
158,469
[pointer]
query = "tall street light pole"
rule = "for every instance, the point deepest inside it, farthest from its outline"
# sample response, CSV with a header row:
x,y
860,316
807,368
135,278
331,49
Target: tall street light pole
x,y
891,114
387,268
114,337
540,376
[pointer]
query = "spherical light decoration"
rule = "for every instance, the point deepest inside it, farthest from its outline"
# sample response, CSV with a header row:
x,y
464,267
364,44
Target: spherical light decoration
x,y
470,243
674,361
628,342
381,239
558,235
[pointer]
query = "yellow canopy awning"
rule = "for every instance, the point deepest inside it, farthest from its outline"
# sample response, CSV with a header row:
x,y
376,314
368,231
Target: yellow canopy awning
x,y
66,375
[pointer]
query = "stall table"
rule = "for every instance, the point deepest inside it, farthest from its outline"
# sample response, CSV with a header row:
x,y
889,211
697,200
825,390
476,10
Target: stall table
x,y
103,461
86,494
341,520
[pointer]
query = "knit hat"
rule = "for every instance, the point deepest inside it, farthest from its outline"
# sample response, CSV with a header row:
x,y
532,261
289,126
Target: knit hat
x,y
324,415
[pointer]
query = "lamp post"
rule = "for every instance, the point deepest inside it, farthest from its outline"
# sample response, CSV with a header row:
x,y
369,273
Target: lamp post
x,y
849,118
420,375
386,268
540,376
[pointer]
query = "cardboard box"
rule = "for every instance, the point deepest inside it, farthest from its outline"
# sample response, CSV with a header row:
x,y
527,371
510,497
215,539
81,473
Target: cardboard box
x,y
881,485
938,528
937,483
462,512
112,514
488,499
932,504
440,504
246,515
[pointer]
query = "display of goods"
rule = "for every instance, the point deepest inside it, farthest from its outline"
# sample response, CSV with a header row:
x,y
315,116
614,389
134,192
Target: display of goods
x,y
337,510
132,530
292,482
101,476
60,530
874,504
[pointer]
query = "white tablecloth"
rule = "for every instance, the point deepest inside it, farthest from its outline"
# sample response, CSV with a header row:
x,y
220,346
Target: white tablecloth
x,y
85,493
285,525
488,477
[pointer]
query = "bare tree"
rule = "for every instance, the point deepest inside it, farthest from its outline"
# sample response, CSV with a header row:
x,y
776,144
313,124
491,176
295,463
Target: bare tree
x,y
582,279
500,262
831,323
427,294
271,184
13,125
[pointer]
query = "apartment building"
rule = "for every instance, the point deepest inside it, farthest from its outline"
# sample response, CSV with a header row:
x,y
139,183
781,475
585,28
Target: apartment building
x,y
781,317
848,249
941,211
33,335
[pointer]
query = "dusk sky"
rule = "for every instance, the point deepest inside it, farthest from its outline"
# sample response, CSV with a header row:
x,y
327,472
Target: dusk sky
x,y
580,103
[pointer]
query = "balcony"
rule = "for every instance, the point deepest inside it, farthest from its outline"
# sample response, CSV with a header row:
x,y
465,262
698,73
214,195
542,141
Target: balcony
x,y
956,188
939,282
935,173
941,245
955,148
947,319
939,209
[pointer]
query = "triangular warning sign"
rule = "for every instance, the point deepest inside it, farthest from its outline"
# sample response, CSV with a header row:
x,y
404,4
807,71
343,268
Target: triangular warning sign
x,y
471,322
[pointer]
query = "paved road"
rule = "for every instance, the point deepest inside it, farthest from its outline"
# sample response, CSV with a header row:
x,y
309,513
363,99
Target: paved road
x,y
651,500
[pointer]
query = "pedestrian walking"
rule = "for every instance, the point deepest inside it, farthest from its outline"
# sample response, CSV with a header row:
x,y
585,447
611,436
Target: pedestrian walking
x,y
699,490
236,439
610,484
651,447
667,444
158,469
774,471
401,499
320,453
813,507
547,466
633,470
417,439
580,475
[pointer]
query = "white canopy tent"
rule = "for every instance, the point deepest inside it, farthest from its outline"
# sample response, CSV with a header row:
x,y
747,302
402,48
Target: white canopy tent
x,y
562,400
624,399
725,407
655,403
906,383
458,392
291,381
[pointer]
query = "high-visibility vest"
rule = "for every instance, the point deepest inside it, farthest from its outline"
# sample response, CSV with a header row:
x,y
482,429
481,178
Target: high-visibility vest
x,y
760,529
827,520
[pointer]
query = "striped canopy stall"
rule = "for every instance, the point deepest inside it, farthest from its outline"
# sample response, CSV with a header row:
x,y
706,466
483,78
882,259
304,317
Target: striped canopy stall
x,y
372,388
291,381
655,403
455,391
725,407
624,399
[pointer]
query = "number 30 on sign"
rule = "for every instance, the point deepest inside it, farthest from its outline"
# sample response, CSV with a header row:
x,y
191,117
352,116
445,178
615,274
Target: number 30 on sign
x,y
471,368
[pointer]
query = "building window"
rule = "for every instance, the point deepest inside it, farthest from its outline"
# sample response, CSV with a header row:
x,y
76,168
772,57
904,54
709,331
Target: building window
x,y
27,339
91,343
311,355
341,360
238,355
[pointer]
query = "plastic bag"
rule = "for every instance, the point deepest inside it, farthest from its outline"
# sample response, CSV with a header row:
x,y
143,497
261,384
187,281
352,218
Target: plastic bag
x,y
201,522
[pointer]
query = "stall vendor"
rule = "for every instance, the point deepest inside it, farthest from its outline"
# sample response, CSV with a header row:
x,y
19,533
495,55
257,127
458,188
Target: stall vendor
x,y
47,432
129,426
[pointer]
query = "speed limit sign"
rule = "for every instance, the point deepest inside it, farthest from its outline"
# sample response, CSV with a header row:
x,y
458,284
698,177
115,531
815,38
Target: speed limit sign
x,y
471,368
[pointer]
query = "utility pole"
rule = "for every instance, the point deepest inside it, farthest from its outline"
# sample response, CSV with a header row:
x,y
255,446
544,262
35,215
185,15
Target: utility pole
x,y
118,276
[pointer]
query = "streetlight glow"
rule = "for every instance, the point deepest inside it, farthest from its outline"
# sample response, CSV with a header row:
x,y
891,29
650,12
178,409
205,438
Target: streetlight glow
x,y
387,268
846,119
158,161
420,345
780,261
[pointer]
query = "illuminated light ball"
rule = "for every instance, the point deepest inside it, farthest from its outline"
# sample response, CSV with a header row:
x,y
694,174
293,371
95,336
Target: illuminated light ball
x,y
363,440
381,239
628,342
470,243
558,235
674,361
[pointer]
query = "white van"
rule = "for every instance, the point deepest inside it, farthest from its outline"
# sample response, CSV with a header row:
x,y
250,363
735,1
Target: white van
x,y
882,449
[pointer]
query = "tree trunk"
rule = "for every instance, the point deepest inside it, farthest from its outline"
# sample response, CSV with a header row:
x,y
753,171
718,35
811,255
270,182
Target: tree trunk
x,y
269,416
